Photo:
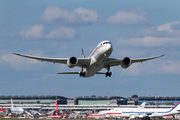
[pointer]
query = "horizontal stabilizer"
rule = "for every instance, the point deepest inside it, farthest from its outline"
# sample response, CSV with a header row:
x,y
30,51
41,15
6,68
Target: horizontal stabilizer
x,y
69,73
100,73
78,73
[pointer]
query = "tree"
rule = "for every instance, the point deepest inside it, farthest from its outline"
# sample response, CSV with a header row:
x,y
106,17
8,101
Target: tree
x,y
93,96
134,96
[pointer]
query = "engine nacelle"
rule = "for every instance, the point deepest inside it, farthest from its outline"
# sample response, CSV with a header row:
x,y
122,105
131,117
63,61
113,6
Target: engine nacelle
x,y
142,116
126,62
133,116
72,62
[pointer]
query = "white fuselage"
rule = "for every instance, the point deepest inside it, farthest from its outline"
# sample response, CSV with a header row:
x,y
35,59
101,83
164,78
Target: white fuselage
x,y
98,57
141,112
17,110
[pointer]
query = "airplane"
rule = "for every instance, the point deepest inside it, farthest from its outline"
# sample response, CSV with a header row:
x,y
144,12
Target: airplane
x,y
147,113
103,112
1,111
54,112
97,60
16,110
143,105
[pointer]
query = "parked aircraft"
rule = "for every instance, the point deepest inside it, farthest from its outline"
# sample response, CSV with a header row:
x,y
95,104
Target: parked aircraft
x,y
143,105
16,110
54,112
97,60
103,112
147,113
1,109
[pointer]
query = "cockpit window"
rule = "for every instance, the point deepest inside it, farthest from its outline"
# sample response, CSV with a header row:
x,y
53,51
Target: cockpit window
x,y
106,43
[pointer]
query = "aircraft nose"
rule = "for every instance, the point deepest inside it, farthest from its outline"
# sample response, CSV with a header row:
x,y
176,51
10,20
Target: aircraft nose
x,y
110,47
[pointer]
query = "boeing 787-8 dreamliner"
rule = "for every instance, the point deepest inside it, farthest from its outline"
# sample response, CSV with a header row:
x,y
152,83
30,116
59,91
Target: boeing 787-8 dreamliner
x,y
97,60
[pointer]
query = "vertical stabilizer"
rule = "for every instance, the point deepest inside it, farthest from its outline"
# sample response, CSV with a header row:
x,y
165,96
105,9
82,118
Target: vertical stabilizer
x,y
11,103
176,107
82,52
56,104
142,105
1,109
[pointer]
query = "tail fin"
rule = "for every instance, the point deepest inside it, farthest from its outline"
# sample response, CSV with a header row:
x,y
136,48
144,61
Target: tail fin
x,y
56,104
176,107
11,103
142,105
82,52
1,109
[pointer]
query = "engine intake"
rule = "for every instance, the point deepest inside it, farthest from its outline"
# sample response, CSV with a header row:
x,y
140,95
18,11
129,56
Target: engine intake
x,y
72,62
126,62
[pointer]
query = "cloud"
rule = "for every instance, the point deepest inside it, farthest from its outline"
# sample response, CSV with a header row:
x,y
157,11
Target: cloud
x,y
20,63
153,67
37,31
172,67
61,33
167,34
149,41
129,18
168,26
77,16
170,29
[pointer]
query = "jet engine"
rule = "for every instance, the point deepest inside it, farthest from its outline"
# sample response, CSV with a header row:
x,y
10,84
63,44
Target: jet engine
x,y
72,62
142,116
126,62
133,117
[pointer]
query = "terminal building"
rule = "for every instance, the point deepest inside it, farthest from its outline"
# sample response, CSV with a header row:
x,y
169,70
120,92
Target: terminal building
x,y
84,102
159,100
34,99
100,100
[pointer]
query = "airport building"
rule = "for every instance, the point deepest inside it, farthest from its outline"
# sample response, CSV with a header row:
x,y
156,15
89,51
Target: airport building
x,y
159,100
100,100
34,99
84,102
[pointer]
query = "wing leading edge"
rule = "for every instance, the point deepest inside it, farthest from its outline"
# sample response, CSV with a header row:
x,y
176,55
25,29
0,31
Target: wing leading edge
x,y
81,61
116,62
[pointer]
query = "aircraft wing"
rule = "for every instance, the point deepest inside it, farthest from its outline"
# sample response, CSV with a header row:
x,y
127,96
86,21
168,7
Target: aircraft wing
x,y
145,59
116,62
78,73
81,61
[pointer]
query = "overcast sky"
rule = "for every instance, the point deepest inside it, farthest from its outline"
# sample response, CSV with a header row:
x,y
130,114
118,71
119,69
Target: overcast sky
x,y
54,28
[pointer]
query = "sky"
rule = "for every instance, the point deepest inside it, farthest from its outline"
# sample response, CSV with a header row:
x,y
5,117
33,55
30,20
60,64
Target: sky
x,y
59,29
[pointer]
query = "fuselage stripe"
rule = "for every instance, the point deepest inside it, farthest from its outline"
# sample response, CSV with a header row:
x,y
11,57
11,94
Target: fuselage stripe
x,y
96,50
113,113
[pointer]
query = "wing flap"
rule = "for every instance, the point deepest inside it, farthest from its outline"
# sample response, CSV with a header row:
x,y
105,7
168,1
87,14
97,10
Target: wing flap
x,y
77,73
69,73
116,62
100,73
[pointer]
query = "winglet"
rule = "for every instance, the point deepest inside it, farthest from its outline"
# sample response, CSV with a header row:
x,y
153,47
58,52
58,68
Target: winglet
x,y
82,52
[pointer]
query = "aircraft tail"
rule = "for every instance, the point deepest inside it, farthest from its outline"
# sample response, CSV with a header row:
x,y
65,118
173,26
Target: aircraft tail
x,y
56,104
1,109
142,105
82,52
11,103
176,107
